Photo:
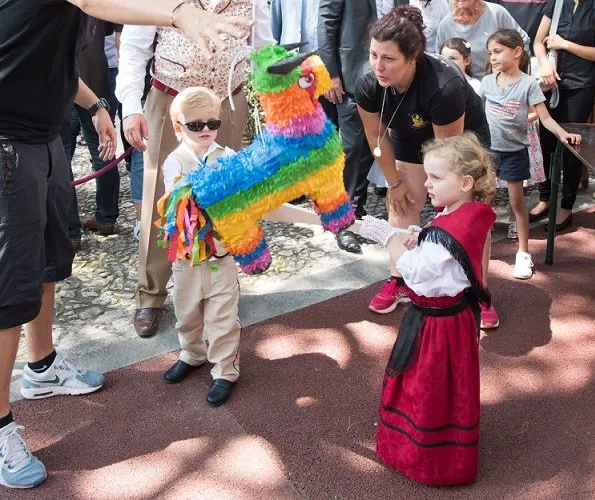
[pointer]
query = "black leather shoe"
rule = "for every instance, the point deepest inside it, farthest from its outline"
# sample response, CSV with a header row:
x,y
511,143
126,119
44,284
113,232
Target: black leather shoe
x,y
563,225
538,216
146,320
348,242
219,392
178,372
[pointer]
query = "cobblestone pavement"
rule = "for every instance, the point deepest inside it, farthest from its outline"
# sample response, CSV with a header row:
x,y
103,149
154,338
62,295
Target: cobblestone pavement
x,y
99,297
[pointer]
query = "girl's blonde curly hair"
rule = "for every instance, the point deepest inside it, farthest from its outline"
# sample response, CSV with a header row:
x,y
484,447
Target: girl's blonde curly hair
x,y
466,156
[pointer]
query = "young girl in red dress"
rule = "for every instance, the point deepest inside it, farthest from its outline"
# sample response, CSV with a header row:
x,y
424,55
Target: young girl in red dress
x,y
429,410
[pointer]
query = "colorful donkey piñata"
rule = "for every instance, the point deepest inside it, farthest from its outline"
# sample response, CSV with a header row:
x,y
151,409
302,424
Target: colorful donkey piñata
x,y
298,153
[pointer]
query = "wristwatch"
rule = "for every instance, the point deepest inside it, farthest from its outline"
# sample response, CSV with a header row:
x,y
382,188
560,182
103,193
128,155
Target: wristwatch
x,y
102,103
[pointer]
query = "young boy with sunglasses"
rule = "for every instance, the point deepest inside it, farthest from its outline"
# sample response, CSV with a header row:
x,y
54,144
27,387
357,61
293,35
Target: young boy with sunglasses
x,y
205,296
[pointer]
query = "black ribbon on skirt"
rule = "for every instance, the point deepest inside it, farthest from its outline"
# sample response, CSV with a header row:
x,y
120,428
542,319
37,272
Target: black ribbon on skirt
x,y
401,354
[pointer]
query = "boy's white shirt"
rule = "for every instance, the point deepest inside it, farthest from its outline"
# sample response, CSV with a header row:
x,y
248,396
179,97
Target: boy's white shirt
x,y
172,168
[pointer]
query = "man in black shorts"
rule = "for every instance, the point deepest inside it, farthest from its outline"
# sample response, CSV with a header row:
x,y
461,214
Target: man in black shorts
x,y
39,43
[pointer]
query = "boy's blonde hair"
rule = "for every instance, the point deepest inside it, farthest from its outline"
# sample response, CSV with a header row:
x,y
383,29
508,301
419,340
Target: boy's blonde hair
x,y
191,98
466,156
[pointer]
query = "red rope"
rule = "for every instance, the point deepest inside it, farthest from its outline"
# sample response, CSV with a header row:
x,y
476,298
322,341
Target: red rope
x,y
103,170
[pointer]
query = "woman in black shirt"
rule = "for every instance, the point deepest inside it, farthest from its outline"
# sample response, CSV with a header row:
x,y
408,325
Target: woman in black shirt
x,y
408,98
575,78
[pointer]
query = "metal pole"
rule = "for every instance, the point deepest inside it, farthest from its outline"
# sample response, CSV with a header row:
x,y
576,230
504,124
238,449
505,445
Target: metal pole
x,y
556,161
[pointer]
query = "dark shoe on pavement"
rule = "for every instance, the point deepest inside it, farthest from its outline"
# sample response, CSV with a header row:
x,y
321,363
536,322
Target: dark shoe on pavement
x,y
219,392
538,216
102,229
348,242
179,371
146,320
563,225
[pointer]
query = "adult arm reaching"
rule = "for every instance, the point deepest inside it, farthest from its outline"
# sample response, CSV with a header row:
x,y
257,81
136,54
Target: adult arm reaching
x,y
199,25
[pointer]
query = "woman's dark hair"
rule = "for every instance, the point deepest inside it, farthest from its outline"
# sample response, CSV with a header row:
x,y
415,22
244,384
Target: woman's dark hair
x,y
462,46
404,26
511,39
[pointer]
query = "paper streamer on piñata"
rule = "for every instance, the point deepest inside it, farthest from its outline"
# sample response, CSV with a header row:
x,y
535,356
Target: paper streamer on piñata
x,y
299,153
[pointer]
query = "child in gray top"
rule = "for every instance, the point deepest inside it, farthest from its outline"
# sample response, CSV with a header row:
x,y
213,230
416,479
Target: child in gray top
x,y
509,93
493,18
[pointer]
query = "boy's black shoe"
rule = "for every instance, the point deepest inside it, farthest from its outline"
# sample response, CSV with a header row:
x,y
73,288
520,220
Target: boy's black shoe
x,y
219,392
178,372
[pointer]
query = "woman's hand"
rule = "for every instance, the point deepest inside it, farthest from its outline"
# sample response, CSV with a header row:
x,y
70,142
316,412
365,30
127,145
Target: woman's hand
x,y
399,198
548,74
555,42
108,141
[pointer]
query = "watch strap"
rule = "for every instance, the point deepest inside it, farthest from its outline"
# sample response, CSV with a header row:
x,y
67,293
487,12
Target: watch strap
x,y
101,103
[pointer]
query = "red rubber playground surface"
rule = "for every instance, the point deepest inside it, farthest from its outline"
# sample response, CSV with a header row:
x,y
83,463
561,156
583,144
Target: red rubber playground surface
x,y
301,421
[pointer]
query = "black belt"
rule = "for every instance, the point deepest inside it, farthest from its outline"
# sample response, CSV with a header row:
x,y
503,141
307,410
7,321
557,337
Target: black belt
x,y
411,323
443,311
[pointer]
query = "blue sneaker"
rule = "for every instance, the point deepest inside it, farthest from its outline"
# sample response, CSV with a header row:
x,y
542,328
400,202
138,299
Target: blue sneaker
x,y
18,467
62,378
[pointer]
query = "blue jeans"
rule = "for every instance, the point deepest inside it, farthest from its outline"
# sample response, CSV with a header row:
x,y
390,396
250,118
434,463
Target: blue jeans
x,y
68,133
136,177
107,186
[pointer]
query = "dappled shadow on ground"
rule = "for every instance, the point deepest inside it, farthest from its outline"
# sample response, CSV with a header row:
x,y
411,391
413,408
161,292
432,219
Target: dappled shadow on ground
x,y
301,421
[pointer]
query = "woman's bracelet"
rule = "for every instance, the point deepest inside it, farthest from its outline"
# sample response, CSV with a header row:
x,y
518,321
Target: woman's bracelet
x,y
173,14
395,185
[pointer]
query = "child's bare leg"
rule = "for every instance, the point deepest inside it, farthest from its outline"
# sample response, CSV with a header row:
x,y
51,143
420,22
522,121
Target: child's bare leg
x,y
517,204
485,259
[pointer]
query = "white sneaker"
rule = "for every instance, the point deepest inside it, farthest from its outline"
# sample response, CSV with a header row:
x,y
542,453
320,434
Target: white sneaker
x,y
18,467
136,231
523,267
62,378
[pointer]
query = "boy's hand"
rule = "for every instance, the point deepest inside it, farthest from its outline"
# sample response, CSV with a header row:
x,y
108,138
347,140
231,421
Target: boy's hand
x,y
108,141
570,138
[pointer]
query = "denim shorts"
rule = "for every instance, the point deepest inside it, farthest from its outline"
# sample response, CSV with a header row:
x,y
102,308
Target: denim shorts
x,y
35,195
513,165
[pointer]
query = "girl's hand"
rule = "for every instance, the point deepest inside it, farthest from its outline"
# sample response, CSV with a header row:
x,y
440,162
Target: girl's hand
x,y
570,138
410,240
555,42
108,141
399,197
548,74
